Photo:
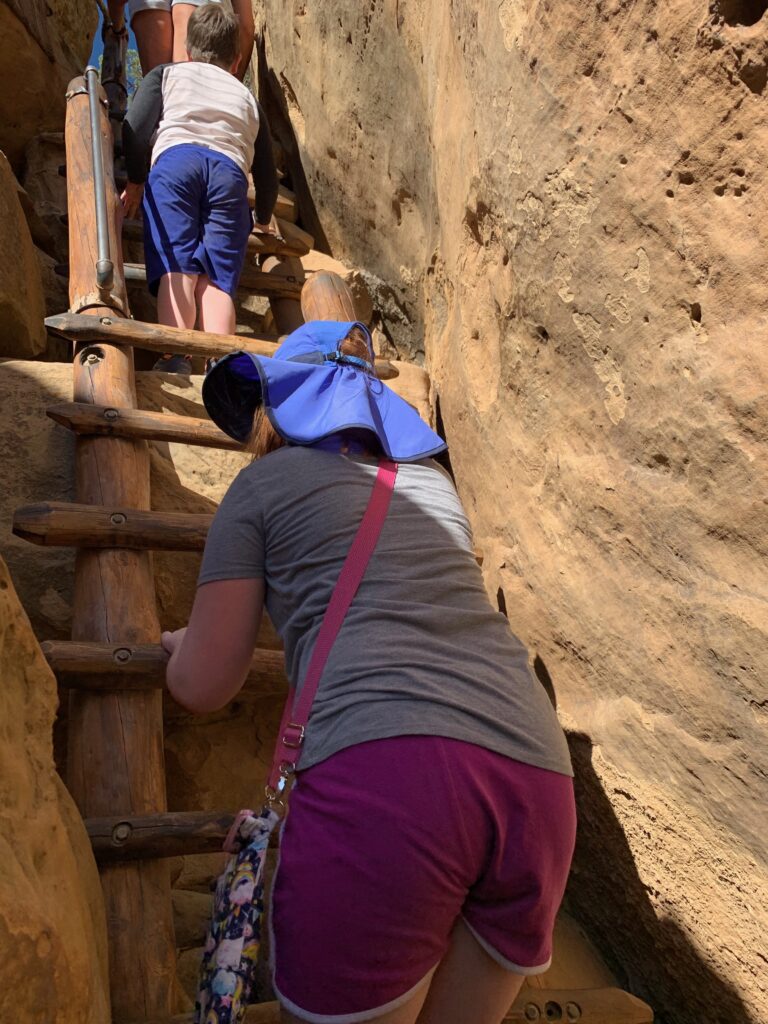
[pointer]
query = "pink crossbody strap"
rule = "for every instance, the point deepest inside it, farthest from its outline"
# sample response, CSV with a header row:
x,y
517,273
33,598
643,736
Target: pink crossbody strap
x,y
295,718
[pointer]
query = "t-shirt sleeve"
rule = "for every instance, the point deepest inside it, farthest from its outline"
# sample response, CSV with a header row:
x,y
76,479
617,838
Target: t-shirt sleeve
x,y
140,124
234,548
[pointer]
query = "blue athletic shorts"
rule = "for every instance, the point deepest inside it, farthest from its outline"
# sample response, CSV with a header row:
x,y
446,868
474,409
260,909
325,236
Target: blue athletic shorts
x,y
196,217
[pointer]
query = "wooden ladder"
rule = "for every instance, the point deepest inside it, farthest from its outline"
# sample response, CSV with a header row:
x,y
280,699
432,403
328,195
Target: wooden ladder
x,y
114,666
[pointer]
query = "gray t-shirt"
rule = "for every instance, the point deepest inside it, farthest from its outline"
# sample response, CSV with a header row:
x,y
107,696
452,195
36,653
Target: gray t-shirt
x,y
421,650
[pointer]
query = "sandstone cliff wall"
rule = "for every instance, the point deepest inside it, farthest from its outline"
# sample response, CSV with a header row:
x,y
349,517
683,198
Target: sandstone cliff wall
x,y
561,206
52,932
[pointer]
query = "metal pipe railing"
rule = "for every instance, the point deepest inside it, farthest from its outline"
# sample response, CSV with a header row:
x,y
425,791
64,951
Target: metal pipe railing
x,y
104,267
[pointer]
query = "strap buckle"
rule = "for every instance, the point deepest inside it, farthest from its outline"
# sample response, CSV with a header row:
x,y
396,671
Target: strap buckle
x,y
293,742
274,794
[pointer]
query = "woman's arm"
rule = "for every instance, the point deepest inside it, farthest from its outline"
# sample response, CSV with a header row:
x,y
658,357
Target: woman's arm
x,y
211,657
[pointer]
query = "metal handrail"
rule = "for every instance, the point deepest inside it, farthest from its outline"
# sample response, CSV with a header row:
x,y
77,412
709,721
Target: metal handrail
x,y
105,270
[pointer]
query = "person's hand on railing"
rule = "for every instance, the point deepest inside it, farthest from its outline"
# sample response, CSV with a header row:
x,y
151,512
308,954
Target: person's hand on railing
x,y
131,199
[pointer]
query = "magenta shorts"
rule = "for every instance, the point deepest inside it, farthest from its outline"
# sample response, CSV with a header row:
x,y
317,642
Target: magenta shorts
x,y
387,844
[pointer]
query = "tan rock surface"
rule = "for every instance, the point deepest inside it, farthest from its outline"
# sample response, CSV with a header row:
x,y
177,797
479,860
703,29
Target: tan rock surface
x,y
43,44
22,304
565,205
52,929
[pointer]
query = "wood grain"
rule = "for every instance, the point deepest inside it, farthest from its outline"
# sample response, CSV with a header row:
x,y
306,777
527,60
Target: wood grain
x,y
156,426
68,524
115,741
158,338
100,666
125,837
326,297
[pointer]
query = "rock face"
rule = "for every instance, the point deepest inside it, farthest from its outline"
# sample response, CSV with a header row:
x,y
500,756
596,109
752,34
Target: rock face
x,y
22,303
43,44
562,204
52,929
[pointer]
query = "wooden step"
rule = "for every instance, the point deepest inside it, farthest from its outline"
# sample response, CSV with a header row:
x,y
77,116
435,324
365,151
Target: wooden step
x,y
98,666
83,418
66,524
251,279
295,241
80,327
285,207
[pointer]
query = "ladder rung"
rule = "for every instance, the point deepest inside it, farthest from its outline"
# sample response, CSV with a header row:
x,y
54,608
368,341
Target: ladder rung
x,y
81,327
83,418
295,241
274,286
66,524
285,207
151,836
83,665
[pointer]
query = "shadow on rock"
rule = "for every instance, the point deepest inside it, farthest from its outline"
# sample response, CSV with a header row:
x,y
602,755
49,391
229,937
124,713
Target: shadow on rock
x,y
658,962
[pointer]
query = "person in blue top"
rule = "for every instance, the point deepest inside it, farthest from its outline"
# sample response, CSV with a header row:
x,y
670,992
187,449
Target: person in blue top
x,y
431,824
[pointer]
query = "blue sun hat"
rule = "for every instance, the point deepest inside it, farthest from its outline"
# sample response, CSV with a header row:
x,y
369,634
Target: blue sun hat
x,y
312,391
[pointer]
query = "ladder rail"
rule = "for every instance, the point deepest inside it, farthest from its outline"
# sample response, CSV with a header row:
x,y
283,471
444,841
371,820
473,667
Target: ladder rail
x,y
115,739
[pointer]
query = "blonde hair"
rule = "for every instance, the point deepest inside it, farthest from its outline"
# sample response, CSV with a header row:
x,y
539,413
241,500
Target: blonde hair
x,y
263,437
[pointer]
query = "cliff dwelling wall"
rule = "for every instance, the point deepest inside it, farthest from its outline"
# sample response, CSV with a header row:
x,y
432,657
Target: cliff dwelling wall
x,y
560,207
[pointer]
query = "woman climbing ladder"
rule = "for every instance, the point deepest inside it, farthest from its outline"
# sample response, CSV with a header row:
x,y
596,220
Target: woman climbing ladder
x,y
432,821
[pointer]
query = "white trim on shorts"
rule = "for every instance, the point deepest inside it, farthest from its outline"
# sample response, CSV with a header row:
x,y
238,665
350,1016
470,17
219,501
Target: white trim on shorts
x,y
502,961
353,1018
136,6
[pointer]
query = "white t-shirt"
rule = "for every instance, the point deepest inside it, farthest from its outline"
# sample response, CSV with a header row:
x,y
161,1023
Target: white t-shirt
x,y
207,106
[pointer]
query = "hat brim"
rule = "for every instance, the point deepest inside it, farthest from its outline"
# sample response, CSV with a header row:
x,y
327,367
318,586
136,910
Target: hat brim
x,y
307,403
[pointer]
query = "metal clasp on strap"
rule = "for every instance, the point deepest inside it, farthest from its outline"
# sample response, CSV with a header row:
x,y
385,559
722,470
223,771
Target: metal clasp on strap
x,y
293,742
274,794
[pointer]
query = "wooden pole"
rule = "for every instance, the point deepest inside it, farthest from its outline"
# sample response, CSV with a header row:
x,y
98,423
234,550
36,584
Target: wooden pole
x,y
115,743
326,297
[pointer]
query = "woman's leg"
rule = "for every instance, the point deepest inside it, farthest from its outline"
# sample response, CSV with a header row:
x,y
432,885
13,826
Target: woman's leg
x,y
154,38
469,985
217,310
181,14
176,300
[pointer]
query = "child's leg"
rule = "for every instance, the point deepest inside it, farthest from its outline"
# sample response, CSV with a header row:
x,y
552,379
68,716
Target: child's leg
x,y
216,308
176,300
